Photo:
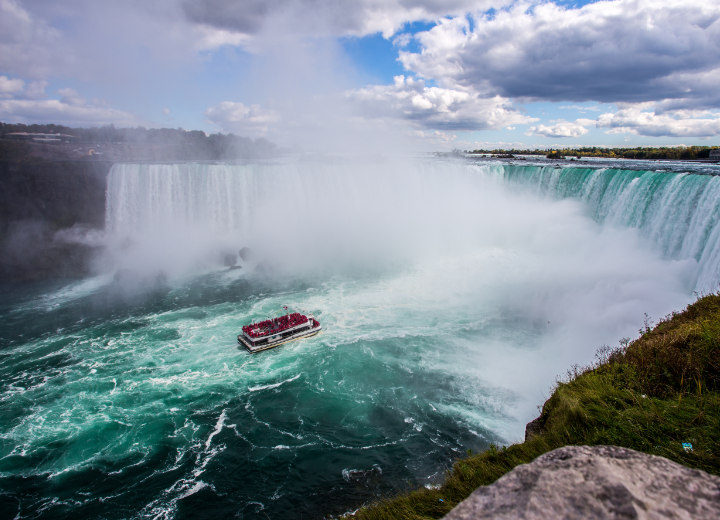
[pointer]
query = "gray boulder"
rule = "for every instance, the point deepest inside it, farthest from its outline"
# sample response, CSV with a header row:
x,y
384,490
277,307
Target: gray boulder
x,y
584,482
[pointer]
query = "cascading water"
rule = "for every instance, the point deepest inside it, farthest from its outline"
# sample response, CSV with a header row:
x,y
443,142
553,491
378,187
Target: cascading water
x,y
451,296
679,213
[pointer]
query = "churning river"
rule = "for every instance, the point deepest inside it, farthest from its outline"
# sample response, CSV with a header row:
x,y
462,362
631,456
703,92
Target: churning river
x,y
452,294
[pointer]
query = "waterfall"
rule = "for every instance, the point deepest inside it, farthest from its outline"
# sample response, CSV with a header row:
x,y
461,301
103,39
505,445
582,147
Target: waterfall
x,y
382,205
678,212
290,210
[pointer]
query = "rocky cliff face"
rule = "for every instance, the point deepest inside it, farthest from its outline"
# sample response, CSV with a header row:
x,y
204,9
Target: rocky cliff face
x,y
38,200
596,482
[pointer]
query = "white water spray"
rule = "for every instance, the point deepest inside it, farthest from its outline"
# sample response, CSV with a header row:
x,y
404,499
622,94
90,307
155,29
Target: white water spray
x,y
464,250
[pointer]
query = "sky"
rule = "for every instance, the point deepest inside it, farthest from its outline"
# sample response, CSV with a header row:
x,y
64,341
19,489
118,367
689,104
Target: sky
x,y
434,74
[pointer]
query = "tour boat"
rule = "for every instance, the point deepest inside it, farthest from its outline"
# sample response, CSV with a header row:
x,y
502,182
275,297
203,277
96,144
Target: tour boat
x,y
271,333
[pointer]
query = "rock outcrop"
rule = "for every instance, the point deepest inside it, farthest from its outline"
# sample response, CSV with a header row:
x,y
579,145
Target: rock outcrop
x,y
535,427
42,203
596,482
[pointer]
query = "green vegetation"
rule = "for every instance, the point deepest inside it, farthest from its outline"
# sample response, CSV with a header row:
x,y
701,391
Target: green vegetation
x,y
650,395
133,143
678,153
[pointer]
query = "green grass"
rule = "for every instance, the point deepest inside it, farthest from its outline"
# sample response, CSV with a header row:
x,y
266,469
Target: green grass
x,y
650,395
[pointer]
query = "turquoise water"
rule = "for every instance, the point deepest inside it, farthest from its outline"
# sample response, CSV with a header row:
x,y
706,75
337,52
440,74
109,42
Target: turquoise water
x,y
450,301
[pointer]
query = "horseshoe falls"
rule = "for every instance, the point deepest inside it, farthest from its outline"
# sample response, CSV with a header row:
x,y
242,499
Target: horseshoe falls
x,y
452,295
676,211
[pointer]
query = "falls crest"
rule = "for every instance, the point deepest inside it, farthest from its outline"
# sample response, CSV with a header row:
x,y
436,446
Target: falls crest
x,y
374,204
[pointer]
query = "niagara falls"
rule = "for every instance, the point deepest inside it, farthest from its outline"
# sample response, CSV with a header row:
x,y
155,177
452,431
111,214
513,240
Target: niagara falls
x,y
452,293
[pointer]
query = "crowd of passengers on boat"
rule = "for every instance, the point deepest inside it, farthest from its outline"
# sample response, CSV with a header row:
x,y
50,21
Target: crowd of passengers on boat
x,y
267,327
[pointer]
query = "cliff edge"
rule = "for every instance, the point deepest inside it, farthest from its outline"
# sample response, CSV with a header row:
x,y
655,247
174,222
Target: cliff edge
x,y
38,199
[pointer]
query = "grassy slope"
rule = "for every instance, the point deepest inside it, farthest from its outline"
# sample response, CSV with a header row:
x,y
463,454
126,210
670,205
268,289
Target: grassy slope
x,y
661,390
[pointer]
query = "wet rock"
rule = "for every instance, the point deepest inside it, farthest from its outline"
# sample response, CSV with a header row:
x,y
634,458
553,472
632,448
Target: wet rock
x,y
40,198
366,477
31,250
245,254
229,259
595,482
534,427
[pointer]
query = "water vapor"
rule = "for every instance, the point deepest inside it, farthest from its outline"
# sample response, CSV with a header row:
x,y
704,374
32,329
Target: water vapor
x,y
300,77
514,285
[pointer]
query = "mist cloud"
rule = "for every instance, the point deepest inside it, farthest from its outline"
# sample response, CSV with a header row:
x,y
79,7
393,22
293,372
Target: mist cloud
x,y
246,120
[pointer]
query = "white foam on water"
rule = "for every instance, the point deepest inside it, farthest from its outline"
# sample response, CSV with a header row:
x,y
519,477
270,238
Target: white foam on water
x,y
74,291
218,427
272,385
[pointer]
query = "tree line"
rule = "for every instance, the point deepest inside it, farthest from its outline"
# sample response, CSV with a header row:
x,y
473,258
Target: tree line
x,y
174,143
680,153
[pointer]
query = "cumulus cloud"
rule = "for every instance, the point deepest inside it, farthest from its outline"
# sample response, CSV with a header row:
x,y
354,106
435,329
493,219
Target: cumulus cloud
x,y
434,107
561,128
470,71
29,47
236,117
10,87
27,102
18,88
111,42
581,108
642,120
610,51
62,112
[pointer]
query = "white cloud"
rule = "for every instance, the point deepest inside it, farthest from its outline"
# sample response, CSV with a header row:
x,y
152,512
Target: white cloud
x,y
70,97
239,118
436,108
35,89
474,69
211,37
110,43
581,108
609,51
642,120
402,40
561,128
61,112
29,47
10,87
435,136
18,89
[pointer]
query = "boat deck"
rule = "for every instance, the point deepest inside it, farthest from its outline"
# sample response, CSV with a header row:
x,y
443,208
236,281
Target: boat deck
x,y
278,331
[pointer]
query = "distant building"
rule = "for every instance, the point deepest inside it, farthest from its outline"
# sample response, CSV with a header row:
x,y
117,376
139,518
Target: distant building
x,y
40,138
715,154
